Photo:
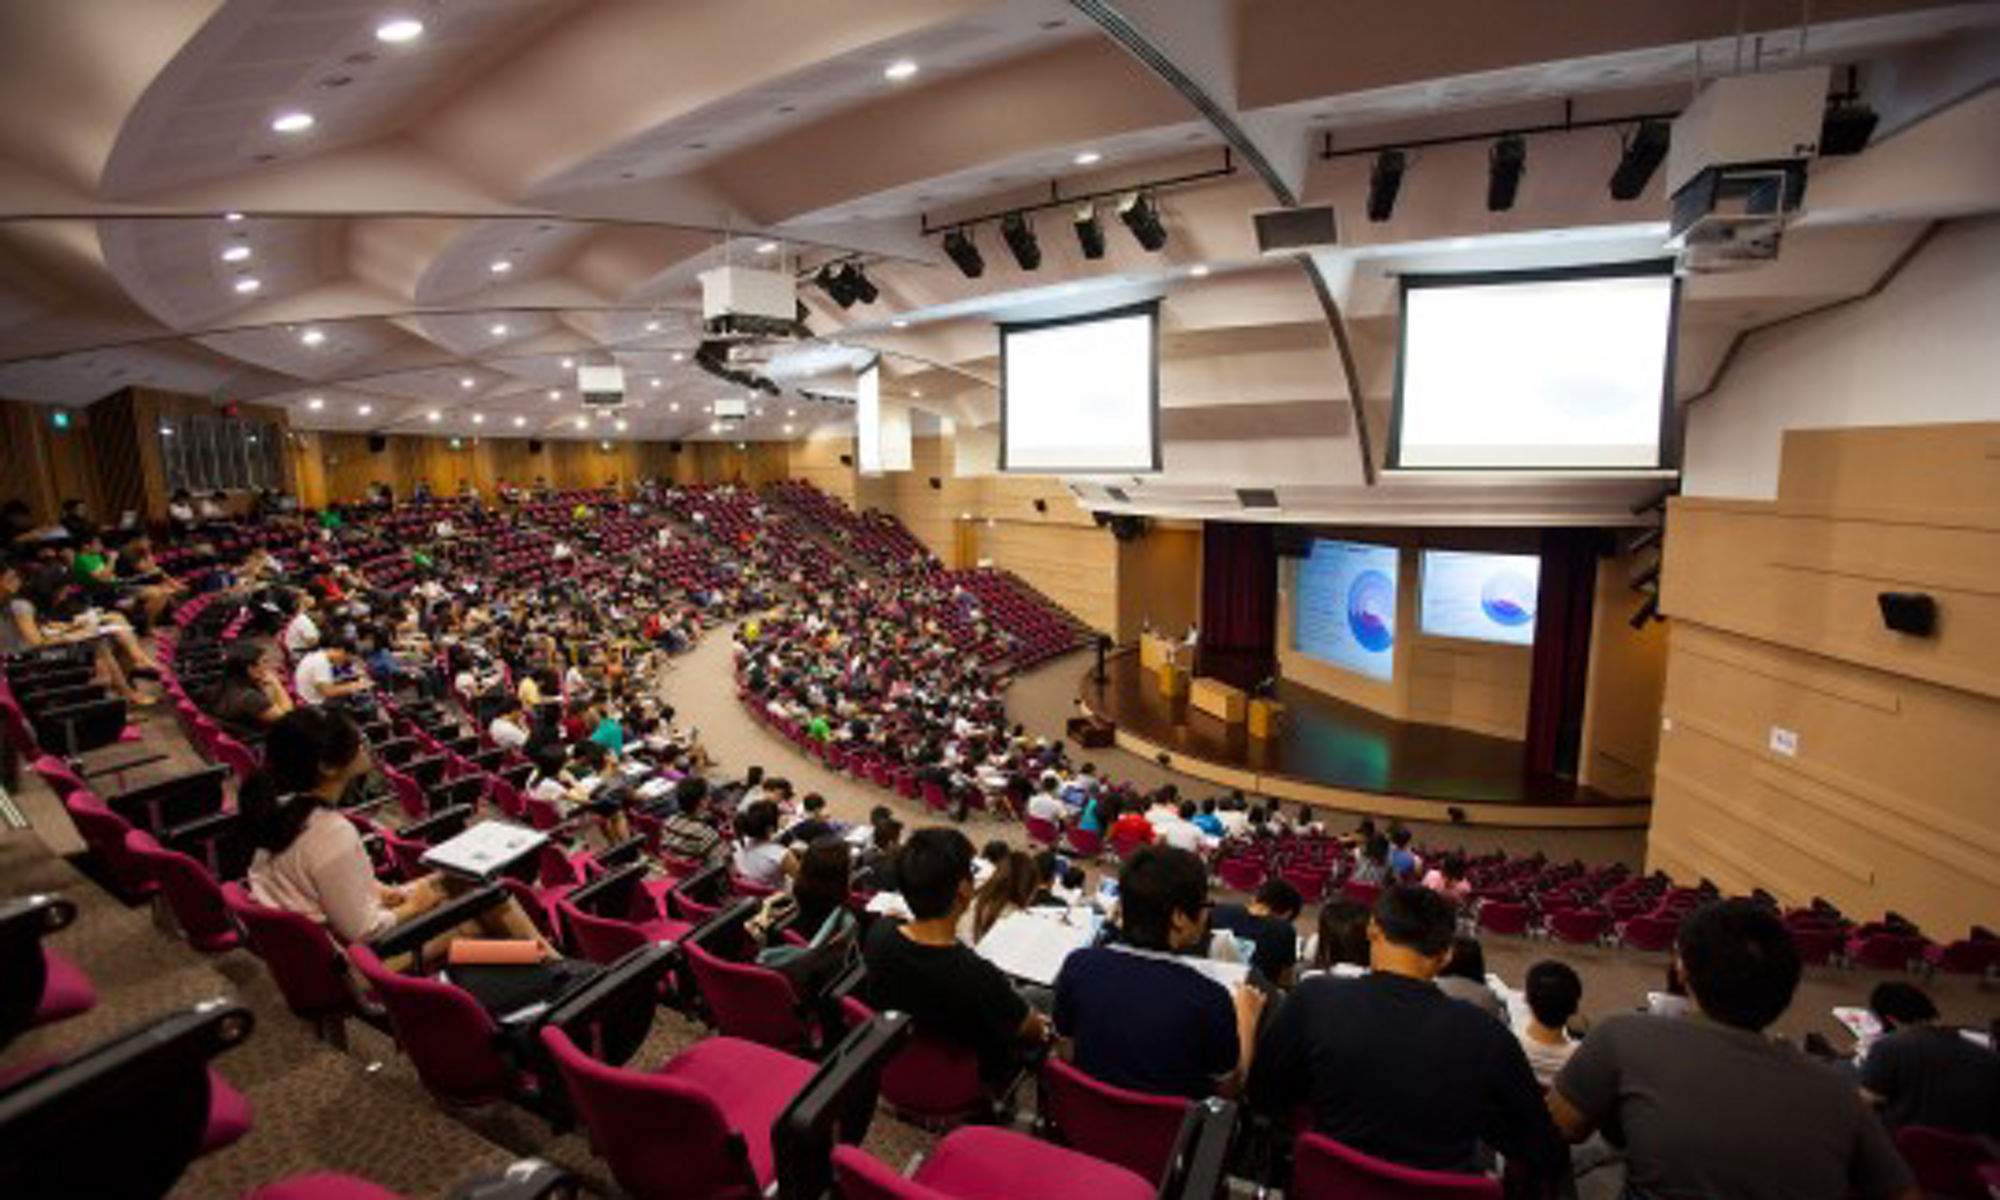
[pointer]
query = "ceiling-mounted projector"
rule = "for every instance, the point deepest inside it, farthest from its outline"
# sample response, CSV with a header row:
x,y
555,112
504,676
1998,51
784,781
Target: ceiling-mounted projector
x,y
601,385
1736,166
748,301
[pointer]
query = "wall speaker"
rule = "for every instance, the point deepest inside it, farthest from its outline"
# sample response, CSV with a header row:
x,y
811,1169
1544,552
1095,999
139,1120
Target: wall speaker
x,y
534,445
1291,541
1041,506
1257,497
937,485
847,460
377,443
1913,613
673,447
1129,529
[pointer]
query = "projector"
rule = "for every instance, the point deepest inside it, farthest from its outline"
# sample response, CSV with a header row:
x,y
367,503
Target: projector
x,y
1736,167
745,294
601,386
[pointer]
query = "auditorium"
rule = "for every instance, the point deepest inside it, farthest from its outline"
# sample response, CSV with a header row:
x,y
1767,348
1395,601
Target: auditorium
x,y
992,599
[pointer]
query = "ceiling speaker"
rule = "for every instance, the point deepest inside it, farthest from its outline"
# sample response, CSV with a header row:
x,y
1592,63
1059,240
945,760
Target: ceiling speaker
x,y
1295,230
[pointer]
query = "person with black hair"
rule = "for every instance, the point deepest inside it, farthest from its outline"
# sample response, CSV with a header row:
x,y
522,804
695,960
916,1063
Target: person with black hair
x,y
1710,1106
1373,864
1140,1017
1554,992
1394,1068
1267,924
821,887
1340,943
812,825
759,857
323,674
249,699
685,831
1921,1073
1463,977
921,968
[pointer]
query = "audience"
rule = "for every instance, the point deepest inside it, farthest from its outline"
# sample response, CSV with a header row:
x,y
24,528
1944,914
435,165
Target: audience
x,y
1922,1073
1554,992
1009,889
1267,924
1463,977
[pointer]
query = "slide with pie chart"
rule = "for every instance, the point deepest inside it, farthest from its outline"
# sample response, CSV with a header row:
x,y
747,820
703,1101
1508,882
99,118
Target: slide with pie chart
x,y
1346,612
1483,597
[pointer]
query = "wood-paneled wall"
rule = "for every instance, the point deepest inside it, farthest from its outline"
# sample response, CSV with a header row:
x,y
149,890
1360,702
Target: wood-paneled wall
x,y
1159,579
1806,748
1628,673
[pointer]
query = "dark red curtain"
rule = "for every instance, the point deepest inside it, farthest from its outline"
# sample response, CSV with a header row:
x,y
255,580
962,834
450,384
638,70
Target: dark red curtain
x,y
1239,601
1565,606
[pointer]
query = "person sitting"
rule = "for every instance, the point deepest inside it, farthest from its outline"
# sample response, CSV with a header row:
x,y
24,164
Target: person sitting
x,y
249,700
1373,865
1463,977
21,629
1394,1068
1266,923
1712,1107
301,632
1405,864
1179,831
1339,946
1920,1073
759,858
686,832
1139,1018
1209,822
509,729
812,825
1131,827
875,865
1554,993
920,967
1046,804
1448,878
1010,888
820,889
322,674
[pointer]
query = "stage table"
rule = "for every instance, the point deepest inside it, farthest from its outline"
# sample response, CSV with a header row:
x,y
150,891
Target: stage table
x,y
1224,702
1264,718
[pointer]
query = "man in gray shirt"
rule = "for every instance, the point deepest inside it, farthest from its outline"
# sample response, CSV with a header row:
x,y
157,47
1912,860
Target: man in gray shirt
x,y
1709,1106
1922,1073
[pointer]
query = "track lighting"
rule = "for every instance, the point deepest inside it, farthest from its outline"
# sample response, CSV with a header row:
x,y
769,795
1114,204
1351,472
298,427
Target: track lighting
x,y
959,246
1384,183
1644,151
1505,166
1089,232
1019,234
1142,217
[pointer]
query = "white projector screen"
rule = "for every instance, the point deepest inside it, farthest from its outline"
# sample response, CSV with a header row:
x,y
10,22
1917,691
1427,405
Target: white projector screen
x,y
868,420
1081,395
1484,597
1345,613
1560,369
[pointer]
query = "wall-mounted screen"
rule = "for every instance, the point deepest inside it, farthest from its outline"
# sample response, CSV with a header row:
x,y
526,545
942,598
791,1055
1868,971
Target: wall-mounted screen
x,y
1485,597
1345,609
1526,370
1081,395
868,419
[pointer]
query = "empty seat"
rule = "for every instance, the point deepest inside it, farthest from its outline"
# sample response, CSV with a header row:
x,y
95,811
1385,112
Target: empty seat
x,y
1323,1169
983,1163
1132,1129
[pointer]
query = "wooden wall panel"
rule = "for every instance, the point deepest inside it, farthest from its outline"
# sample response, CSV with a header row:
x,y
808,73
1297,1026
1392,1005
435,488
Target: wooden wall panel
x,y
25,472
1886,799
1159,579
1628,675
817,461
1077,567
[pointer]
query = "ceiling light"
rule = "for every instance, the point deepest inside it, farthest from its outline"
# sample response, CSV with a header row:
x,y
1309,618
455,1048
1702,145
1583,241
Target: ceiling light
x,y
166,431
555,393
1089,232
468,382
1847,125
1088,158
788,429
674,407
312,337
652,327
520,421
898,71
678,357
1505,164
569,364
767,247
365,409
958,245
434,416
837,283
604,445
479,418
232,216
653,382
247,284
236,253
582,423
1019,234
915,394
899,323
791,412
1142,217
295,121
1642,155
500,330
620,425
1384,182
398,30
500,266
715,427
316,403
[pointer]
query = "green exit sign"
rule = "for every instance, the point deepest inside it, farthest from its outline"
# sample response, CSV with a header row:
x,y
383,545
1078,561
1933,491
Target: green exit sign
x,y
60,418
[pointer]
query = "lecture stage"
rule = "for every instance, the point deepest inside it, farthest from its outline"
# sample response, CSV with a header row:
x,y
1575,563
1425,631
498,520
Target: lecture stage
x,y
1339,755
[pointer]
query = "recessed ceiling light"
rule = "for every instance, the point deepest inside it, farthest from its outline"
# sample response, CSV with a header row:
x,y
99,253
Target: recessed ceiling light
x,y
434,416
899,323
654,381
365,409
296,121
652,327
555,393
479,418
679,357
715,427
520,421
232,216
500,330
1087,158
674,407
915,394
467,382
247,284
499,266
621,426
316,403
569,364
397,30
313,337
898,71
791,412
767,247
788,429
236,253
1198,270
582,423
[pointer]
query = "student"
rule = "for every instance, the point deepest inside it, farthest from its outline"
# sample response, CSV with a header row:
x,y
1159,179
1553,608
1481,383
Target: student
x,y
1010,888
1267,924
759,858
1448,878
685,832
249,699
1373,865
318,678
1554,992
1921,1073
1180,831
509,729
1340,944
1463,977
1136,1015
301,633
812,825
1047,804
1208,821
921,968
1394,1068
1404,863
821,887
1710,1106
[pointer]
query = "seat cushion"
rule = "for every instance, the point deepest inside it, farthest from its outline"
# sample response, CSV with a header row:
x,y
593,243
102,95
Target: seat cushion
x,y
228,1114
750,1083
666,929
65,992
979,1162
322,1186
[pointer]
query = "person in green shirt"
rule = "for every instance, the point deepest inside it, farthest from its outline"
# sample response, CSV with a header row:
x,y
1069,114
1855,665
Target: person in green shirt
x,y
818,728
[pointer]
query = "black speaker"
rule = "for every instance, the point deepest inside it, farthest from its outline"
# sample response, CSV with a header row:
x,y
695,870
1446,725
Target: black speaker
x,y
1913,613
847,460
673,447
1041,506
534,445
377,443
1291,541
1129,529
937,485
1101,517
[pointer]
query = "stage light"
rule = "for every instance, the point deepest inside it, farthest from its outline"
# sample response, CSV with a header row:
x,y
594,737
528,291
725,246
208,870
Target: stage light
x,y
1142,217
1649,610
1504,168
1846,128
1644,151
836,284
1019,235
864,288
1384,183
959,246
1089,232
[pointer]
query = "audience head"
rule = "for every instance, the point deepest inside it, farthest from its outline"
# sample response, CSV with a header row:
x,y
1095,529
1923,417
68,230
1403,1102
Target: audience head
x,y
1738,962
1343,934
1377,848
1554,993
814,804
1467,961
1899,1004
1163,898
690,794
758,821
996,851
934,871
1411,932
1280,899
823,874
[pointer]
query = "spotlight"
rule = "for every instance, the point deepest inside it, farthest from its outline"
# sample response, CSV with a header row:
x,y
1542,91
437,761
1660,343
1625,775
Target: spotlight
x,y
958,245
1846,128
1649,610
837,284
1644,151
1383,184
864,288
1089,232
1142,217
1505,165
1019,235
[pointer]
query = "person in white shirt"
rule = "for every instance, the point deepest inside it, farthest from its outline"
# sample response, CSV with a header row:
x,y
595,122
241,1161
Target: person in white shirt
x,y
1046,804
759,858
301,632
1180,831
318,680
509,730
1554,993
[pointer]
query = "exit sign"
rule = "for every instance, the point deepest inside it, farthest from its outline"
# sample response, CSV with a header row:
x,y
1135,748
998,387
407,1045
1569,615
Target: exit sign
x,y
60,418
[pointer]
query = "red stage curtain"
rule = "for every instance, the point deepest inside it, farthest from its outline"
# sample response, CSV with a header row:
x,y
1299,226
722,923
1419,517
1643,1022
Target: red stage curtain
x,y
1239,600
1565,607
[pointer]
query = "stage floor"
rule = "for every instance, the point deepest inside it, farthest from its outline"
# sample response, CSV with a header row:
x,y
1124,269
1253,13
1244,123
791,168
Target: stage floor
x,y
1330,752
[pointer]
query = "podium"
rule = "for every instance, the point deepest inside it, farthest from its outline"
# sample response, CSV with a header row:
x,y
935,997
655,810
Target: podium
x,y
1264,718
1218,699
1173,680
1155,651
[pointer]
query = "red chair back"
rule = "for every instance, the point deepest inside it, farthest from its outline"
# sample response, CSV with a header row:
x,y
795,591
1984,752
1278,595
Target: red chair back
x,y
1086,843
191,892
929,1080
1132,1129
1650,933
1323,1169
302,957
1043,830
1946,1164
1817,945
1578,926
450,1039
749,1002
1885,951
104,832
599,939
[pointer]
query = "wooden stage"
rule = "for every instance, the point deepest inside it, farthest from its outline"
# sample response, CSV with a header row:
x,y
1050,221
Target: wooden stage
x,y
1339,755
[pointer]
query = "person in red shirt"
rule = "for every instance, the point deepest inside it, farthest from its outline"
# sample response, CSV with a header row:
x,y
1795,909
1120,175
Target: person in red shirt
x,y
1132,828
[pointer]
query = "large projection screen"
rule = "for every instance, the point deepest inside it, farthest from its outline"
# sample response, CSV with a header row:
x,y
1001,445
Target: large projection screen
x,y
1482,597
1567,369
868,419
1345,611
1081,395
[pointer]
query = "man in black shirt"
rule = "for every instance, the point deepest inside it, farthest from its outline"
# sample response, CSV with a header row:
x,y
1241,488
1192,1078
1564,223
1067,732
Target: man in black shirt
x,y
1267,925
1394,1068
1920,1073
921,968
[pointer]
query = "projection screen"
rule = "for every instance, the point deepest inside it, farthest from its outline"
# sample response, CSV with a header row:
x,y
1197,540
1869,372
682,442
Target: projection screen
x,y
1081,395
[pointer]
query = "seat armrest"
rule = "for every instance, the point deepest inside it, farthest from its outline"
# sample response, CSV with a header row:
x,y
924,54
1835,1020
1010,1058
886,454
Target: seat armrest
x,y
836,1105
1198,1167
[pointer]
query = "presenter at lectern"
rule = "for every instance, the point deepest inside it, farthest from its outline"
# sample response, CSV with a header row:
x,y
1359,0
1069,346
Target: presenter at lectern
x,y
1190,647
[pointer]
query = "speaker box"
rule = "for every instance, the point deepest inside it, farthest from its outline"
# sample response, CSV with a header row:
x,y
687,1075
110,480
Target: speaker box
x,y
1291,541
377,443
1041,506
1295,230
1913,613
937,485
673,447
534,445
847,460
